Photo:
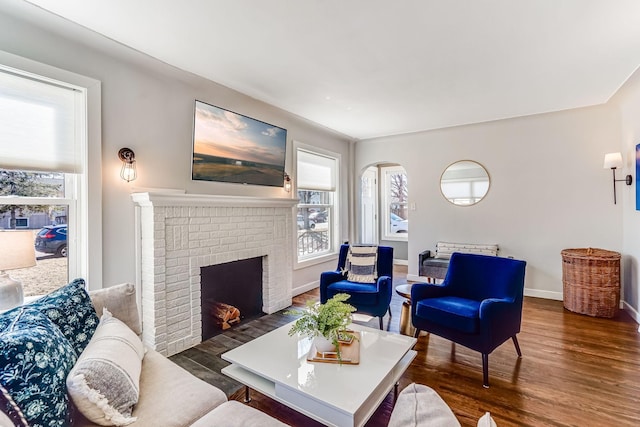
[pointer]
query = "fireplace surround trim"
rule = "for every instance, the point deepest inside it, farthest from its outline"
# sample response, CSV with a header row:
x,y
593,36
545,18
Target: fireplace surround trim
x,y
177,234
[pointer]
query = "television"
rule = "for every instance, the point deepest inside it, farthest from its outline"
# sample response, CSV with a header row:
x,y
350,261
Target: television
x,y
230,147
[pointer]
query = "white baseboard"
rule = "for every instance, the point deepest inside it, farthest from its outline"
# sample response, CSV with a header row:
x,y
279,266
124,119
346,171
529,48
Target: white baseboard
x,y
305,288
400,261
632,312
537,293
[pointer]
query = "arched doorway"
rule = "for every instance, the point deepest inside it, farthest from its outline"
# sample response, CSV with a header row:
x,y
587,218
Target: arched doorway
x,y
384,207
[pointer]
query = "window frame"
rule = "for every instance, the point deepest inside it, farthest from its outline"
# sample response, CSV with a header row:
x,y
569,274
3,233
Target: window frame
x,y
332,208
86,187
385,173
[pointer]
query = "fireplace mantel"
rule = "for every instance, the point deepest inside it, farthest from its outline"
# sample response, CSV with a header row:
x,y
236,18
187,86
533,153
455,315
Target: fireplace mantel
x,y
180,233
182,199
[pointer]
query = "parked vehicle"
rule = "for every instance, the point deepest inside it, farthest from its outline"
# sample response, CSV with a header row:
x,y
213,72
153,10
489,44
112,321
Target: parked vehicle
x,y
300,221
319,216
52,239
399,225
321,226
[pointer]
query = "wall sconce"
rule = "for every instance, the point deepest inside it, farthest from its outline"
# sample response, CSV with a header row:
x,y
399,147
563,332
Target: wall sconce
x,y
128,171
287,183
614,161
17,252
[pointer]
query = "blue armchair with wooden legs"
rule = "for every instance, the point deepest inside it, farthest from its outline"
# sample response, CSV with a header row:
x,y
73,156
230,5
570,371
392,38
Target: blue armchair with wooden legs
x,y
368,298
479,304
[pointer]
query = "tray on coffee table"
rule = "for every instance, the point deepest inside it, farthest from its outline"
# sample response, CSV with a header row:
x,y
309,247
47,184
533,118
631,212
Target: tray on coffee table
x,y
349,352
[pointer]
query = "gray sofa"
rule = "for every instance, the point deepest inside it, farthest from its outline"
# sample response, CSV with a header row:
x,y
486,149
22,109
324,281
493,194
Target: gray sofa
x,y
43,345
169,395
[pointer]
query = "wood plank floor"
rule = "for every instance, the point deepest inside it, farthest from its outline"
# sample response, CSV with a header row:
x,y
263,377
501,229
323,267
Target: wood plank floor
x,y
575,371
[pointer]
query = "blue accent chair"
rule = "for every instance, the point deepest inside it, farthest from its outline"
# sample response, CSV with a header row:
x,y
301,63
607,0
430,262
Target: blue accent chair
x,y
368,298
479,304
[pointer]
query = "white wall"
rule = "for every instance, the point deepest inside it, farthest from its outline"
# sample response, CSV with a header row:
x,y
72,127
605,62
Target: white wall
x,y
148,107
548,190
627,103
400,248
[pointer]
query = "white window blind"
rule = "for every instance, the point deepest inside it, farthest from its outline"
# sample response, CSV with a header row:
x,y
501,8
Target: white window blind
x,y
38,125
316,172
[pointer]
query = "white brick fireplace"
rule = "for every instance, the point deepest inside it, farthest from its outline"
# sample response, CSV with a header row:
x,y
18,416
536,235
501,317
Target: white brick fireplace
x,y
177,234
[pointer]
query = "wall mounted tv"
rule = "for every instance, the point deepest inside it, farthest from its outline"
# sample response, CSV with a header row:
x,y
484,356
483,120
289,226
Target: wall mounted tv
x,y
230,147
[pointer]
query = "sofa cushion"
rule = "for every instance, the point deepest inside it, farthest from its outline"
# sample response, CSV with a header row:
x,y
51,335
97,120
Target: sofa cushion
x,y
169,395
35,358
454,312
71,310
235,414
105,382
419,405
5,421
120,300
165,386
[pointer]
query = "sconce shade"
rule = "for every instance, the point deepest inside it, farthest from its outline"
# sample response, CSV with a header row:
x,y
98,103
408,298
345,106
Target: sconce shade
x,y
128,171
613,160
17,249
287,183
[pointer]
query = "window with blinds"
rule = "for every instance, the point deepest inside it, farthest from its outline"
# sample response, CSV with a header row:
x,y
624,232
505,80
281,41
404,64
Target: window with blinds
x,y
316,178
42,158
38,125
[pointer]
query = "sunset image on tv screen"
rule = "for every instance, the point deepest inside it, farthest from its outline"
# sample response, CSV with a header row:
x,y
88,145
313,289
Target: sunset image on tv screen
x,y
230,147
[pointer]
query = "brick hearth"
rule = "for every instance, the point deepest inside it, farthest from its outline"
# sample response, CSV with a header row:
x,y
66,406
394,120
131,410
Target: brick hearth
x,y
180,233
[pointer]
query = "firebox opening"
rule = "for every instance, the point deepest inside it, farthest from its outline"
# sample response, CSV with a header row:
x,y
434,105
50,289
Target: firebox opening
x,y
231,293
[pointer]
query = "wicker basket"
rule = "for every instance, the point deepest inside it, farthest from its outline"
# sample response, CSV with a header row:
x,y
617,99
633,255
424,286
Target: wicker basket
x,y
591,281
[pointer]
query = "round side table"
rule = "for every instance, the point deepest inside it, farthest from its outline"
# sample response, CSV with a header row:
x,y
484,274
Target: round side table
x,y
406,328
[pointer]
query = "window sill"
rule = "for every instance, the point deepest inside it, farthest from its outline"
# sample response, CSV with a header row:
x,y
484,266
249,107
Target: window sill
x,y
396,238
315,261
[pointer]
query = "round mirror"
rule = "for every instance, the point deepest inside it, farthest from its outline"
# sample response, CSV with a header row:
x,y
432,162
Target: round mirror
x,y
464,183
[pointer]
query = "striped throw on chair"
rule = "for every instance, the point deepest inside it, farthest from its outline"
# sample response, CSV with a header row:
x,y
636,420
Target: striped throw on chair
x,y
361,263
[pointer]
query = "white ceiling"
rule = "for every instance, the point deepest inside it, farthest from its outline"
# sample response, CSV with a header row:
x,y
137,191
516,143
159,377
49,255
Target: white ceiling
x,y
370,68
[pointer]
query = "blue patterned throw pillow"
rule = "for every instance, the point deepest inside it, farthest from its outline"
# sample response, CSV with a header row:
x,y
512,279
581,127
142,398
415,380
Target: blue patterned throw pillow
x,y
35,359
71,310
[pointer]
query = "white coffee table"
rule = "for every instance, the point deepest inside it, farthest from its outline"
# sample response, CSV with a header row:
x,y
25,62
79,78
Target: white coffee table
x,y
276,365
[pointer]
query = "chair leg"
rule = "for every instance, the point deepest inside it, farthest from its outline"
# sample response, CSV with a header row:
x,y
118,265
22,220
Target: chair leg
x,y
381,326
515,342
416,334
390,315
485,370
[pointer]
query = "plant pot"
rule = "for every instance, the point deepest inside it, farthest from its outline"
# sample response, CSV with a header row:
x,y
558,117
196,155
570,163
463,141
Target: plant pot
x,y
323,345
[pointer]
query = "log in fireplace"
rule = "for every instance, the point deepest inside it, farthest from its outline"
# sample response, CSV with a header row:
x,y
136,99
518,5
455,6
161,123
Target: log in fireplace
x,y
231,293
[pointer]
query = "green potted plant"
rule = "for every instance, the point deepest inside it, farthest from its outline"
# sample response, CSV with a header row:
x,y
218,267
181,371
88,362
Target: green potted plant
x,y
328,321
